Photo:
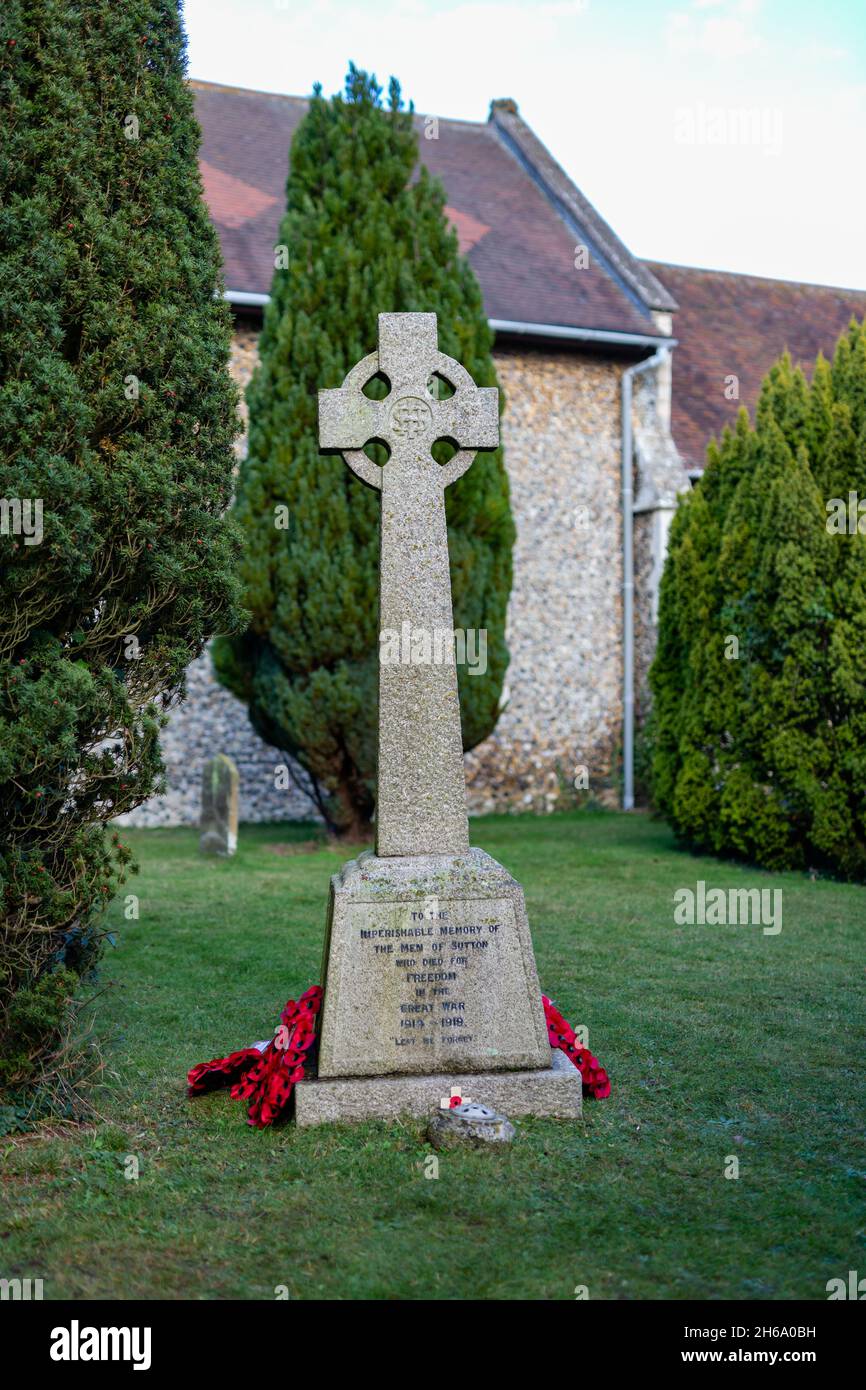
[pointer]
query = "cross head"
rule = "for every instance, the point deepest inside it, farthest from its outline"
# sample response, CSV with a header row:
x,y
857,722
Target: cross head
x,y
410,419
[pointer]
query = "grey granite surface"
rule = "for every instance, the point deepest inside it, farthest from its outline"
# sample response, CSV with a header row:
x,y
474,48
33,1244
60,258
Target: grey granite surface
x,y
555,1092
421,801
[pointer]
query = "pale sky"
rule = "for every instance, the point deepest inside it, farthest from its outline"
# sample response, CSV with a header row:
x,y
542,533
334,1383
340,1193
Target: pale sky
x,y
729,134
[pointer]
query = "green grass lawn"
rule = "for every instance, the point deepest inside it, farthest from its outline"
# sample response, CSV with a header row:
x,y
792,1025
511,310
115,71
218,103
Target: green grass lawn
x,y
718,1040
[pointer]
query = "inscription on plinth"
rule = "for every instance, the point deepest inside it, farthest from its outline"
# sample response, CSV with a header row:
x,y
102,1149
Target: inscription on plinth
x,y
434,983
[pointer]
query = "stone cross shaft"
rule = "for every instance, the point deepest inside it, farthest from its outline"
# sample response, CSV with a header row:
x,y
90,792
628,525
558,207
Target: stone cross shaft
x,y
421,803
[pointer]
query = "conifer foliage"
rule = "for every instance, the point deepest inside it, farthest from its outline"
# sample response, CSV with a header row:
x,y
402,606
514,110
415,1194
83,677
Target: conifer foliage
x,y
117,418
758,681
361,236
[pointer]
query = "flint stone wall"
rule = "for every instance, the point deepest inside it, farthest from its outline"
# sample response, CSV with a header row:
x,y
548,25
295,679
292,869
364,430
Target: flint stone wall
x,y
564,685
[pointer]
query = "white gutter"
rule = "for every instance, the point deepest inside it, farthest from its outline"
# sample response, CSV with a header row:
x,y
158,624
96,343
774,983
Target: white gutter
x,y
588,335
628,573
530,330
247,297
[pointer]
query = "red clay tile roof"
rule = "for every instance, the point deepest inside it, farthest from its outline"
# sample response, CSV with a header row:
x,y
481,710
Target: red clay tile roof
x,y
521,248
518,219
738,325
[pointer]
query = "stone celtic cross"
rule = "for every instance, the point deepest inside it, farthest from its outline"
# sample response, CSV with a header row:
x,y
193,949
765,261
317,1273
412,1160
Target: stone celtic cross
x,y
421,803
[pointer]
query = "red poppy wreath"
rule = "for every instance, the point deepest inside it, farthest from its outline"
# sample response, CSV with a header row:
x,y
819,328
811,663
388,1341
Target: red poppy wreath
x,y
265,1075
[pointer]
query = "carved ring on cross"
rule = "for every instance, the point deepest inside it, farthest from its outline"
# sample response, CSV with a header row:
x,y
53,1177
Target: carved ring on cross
x,y
407,419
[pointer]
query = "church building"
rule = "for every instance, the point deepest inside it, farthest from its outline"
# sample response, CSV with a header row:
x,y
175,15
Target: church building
x,y
616,372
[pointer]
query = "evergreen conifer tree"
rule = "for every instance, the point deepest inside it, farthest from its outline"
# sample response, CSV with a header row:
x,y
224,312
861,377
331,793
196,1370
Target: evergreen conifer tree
x,y
117,418
760,703
359,238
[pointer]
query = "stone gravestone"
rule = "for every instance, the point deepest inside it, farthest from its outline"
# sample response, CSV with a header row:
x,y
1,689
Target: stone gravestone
x,y
429,972
219,807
